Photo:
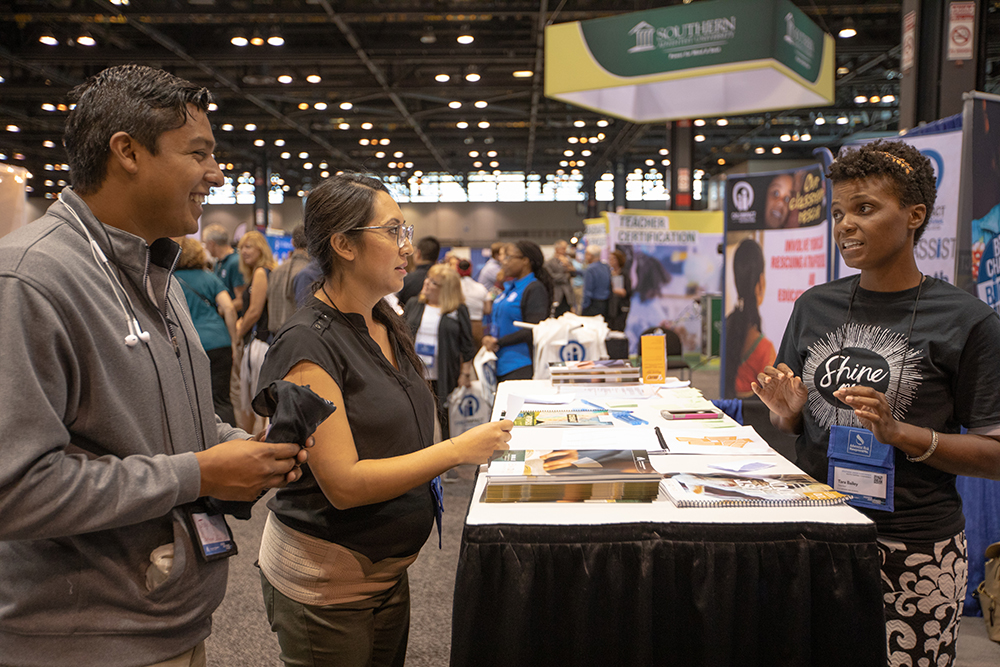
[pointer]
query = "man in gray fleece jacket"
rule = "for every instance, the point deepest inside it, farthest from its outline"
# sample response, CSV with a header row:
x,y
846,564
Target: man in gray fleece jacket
x,y
109,436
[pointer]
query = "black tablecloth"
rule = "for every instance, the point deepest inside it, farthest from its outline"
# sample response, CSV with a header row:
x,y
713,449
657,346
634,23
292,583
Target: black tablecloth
x,y
668,594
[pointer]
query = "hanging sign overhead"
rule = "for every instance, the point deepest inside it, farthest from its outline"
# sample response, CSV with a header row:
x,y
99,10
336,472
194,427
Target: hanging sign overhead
x,y
701,59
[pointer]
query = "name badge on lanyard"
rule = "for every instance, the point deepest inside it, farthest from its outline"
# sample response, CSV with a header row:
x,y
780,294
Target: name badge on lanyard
x,y
861,467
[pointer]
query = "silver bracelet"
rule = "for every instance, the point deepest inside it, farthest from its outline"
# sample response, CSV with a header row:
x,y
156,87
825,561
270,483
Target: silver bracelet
x,y
930,450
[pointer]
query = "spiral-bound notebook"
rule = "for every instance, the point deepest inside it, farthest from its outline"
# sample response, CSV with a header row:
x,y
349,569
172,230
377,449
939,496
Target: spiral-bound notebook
x,y
725,490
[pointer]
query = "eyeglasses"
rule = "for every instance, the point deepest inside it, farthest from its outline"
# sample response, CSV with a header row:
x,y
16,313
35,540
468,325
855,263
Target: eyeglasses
x,y
403,233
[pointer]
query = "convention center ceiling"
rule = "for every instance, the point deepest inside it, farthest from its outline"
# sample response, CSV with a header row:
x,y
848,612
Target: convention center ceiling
x,y
404,86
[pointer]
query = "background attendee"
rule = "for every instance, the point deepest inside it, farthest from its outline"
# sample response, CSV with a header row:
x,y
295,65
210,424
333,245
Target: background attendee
x,y
526,297
219,244
256,264
428,250
304,280
336,547
621,291
442,333
488,274
110,438
280,285
930,351
214,317
475,298
596,284
748,352
560,267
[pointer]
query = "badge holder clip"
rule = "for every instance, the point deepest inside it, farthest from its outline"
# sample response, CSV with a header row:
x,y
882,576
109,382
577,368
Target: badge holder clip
x,y
861,467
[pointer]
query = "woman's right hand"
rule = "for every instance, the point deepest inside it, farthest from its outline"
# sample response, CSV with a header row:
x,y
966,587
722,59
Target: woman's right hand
x,y
491,343
781,391
478,444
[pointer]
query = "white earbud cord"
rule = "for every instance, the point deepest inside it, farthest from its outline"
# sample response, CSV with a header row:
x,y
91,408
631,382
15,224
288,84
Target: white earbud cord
x,y
134,334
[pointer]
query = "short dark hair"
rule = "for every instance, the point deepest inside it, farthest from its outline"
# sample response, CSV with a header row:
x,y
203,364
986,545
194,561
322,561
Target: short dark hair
x,y
908,172
299,237
429,249
143,101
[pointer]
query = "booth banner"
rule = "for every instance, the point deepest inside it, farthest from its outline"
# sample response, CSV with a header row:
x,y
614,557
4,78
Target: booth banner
x,y
595,233
936,250
672,259
777,231
985,178
706,58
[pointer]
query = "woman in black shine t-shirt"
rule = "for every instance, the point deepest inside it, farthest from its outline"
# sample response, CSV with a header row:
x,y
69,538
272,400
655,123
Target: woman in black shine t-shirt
x,y
913,360
337,543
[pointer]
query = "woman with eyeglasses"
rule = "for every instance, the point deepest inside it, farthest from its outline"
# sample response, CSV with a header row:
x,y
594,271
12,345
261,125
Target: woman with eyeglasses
x,y
337,543
442,331
527,297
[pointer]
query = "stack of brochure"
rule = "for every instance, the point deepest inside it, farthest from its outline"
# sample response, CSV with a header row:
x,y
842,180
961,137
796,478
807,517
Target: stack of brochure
x,y
727,490
616,372
557,418
571,475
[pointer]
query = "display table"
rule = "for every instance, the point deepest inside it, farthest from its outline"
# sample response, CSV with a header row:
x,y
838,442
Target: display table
x,y
652,584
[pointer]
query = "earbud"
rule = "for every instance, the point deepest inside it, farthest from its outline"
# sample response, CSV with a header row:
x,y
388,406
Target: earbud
x,y
143,335
131,340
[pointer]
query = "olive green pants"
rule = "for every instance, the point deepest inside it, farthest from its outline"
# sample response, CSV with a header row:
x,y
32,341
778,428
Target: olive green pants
x,y
369,633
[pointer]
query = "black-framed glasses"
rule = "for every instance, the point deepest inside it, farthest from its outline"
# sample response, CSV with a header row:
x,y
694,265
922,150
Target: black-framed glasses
x,y
404,233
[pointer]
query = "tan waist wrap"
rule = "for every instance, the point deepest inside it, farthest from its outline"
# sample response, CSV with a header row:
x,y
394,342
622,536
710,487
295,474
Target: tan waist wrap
x,y
313,571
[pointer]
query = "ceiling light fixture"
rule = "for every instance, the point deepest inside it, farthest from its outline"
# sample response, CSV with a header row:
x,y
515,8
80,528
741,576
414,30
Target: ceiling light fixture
x,y
483,124
320,106
466,36
428,37
699,138
442,78
48,38
86,39
579,123
472,74
239,39
303,106
346,106
523,74
847,30
249,127
888,99
275,38
759,150
257,40
481,104
314,78
699,122
776,150
454,104
461,125
722,122
820,120
285,79
366,126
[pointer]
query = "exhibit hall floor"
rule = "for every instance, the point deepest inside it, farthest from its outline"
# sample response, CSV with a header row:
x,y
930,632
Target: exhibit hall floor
x,y
241,636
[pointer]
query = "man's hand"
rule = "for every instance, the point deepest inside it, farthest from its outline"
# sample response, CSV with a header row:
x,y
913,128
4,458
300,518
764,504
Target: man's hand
x,y
241,469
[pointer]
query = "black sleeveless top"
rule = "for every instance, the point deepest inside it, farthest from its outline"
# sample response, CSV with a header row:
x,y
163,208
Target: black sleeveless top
x,y
391,413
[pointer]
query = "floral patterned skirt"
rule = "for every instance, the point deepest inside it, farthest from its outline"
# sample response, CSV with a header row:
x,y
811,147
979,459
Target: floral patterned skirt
x,y
923,587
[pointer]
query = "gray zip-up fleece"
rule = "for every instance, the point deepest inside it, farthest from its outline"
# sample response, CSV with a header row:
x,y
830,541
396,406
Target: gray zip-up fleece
x,y
96,452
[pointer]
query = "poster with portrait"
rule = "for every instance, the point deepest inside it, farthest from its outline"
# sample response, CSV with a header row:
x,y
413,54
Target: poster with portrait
x,y
777,229
671,259
985,179
935,252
